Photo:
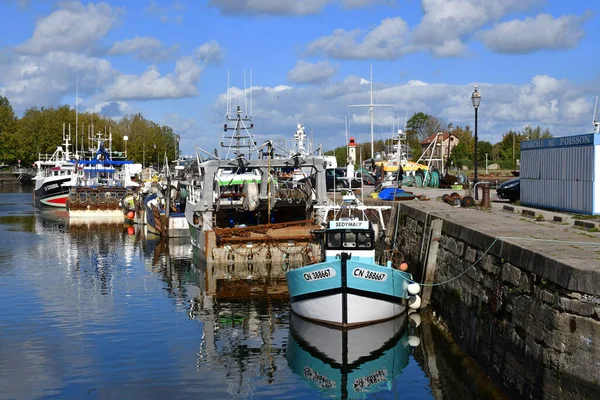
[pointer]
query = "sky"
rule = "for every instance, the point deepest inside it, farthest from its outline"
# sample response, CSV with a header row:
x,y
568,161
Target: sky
x,y
536,62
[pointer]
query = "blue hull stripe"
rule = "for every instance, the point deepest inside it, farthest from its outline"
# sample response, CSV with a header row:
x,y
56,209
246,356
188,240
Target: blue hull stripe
x,y
392,287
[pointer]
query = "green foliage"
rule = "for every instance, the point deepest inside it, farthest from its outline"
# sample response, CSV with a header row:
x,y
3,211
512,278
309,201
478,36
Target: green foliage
x,y
423,125
40,130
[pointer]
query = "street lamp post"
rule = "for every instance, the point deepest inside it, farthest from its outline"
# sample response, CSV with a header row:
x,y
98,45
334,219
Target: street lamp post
x,y
125,139
476,99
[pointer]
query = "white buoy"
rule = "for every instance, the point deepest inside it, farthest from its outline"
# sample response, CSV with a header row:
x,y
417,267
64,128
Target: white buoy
x,y
414,341
415,319
414,302
414,288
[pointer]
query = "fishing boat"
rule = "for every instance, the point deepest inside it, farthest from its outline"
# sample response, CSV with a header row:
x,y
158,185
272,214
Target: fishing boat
x,y
240,206
101,182
349,364
52,171
349,288
164,210
134,211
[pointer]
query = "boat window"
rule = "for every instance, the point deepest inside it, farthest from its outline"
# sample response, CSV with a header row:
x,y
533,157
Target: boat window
x,y
364,239
334,239
350,239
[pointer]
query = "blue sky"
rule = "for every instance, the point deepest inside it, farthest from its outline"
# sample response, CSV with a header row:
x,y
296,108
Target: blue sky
x,y
535,62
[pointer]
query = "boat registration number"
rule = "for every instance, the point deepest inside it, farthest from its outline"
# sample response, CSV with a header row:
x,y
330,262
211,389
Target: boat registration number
x,y
364,382
369,275
319,274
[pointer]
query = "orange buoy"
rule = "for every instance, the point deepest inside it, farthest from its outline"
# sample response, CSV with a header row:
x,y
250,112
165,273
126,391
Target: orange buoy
x,y
130,215
130,230
403,266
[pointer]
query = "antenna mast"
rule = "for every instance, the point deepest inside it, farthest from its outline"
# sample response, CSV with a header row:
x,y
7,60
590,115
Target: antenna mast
x,y
596,122
76,113
227,106
371,111
245,102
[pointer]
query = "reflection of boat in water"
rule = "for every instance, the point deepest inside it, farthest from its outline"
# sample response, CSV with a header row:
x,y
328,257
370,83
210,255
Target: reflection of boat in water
x,y
349,363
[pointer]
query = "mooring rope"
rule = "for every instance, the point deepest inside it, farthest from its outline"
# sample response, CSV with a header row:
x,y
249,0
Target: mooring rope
x,y
492,245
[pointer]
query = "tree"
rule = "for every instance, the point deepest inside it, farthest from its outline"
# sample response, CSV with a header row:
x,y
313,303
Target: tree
x,y
8,123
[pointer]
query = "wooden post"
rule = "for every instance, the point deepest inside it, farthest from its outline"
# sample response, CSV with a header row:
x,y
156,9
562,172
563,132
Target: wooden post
x,y
435,235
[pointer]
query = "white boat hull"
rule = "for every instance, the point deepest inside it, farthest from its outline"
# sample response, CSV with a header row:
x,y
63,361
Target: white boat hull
x,y
361,310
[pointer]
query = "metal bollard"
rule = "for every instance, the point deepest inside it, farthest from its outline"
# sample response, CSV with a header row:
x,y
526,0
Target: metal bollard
x,y
485,196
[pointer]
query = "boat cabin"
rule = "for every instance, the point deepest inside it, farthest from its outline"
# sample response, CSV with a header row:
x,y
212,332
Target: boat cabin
x,y
353,236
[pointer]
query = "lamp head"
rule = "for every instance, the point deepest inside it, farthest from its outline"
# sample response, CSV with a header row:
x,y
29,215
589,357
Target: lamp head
x,y
476,97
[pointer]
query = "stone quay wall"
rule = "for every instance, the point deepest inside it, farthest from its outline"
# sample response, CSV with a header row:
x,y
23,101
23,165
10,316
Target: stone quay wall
x,y
531,322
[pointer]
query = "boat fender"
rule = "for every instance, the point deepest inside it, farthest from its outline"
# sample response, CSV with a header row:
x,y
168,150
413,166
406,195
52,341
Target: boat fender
x,y
414,341
404,267
413,288
414,302
415,319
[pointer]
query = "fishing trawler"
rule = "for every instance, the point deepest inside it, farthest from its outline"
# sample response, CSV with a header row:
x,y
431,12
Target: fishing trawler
x,y
350,288
52,171
101,182
242,208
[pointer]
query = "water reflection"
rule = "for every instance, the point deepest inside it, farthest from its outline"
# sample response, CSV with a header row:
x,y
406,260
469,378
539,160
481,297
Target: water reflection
x,y
349,363
96,309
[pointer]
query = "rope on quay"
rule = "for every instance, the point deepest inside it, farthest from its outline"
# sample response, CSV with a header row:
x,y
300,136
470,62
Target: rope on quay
x,y
492,245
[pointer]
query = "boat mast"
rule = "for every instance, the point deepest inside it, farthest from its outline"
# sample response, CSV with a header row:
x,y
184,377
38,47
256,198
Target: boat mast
x,y
372,106
594,120
76,115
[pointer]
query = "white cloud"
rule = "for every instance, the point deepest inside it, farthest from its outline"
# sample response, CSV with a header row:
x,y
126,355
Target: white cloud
x,y
389,40
113,109
73,26
533,34
561,105
445,23
152,85
305,72
171,13
143,48
29,80
210,51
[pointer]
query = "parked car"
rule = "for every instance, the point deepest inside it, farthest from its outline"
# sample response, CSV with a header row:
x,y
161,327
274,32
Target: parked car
x,y
341,174
510,190
366,177
336,179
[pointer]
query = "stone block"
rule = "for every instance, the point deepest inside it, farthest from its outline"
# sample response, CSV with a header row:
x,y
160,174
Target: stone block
x,y
546,296
525,283
574,306
511,274
488,263
585,224
528,213
470,254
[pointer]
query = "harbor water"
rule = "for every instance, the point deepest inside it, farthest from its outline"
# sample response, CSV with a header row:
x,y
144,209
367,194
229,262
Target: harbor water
x,y
103,310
